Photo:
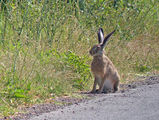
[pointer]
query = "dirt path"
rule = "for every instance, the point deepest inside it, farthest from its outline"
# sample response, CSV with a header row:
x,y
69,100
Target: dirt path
x,y
141,103
126,96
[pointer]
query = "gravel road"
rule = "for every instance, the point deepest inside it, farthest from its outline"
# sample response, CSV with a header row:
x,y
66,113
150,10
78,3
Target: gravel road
x,y
141,103
137,100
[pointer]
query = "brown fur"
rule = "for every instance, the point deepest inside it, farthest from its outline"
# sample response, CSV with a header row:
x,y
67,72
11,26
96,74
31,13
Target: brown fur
x,y
105,73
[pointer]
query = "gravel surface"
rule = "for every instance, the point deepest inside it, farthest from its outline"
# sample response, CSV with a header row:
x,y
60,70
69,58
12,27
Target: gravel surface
x,y
136,104
38,110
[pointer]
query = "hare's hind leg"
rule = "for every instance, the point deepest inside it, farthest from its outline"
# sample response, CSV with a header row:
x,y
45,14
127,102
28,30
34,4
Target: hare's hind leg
x,y
116,84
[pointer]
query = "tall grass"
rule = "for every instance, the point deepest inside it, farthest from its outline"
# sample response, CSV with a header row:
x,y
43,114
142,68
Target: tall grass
x,y
44,45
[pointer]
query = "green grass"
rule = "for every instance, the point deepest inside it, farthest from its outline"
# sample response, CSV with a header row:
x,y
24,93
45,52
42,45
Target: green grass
x,y
44,46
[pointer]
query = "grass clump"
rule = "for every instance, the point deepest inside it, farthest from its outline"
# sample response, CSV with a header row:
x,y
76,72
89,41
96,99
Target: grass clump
x,y
44,45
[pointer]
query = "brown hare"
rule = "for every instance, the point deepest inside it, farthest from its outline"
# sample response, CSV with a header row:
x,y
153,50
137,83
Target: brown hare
x,y
105,74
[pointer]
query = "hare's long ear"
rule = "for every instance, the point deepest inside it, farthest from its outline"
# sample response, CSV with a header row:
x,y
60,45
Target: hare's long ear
x,y
106,39
100,35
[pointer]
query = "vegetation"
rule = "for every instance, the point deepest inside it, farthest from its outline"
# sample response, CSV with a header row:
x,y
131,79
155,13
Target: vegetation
x,y
44,45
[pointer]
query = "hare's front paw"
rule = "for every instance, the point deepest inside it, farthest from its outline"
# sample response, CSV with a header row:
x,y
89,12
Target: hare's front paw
x,y
99,91
93,91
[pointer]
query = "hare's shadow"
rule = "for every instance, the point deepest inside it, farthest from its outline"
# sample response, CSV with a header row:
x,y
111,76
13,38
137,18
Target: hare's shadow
x,y
88,92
